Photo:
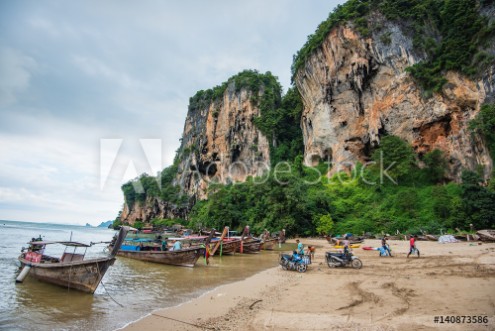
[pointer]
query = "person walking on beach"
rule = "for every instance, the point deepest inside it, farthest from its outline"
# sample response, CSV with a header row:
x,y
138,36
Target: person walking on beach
x,y
412,246
385,246
300,247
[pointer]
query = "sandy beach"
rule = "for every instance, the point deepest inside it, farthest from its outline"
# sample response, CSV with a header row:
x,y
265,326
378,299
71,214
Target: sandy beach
x,y
388,293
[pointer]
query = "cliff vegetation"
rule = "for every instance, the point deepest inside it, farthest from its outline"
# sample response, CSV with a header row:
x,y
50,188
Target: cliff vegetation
x,y
411,197
452,34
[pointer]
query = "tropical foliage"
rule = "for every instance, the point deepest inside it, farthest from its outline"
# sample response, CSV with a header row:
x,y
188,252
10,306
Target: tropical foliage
x,y
411,199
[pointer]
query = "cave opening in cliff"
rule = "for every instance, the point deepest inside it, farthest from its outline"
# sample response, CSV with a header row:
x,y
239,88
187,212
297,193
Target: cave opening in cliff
x,y
208,168
235,153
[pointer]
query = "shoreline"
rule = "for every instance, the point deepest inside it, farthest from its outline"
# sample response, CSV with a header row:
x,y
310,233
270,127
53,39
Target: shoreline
x,y
186,313
388,293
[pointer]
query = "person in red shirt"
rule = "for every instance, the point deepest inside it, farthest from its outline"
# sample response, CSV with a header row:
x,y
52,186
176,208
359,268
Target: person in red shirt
x,y
412,246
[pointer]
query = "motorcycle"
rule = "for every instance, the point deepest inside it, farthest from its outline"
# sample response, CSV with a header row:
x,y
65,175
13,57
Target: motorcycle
x,y
342,260
287,263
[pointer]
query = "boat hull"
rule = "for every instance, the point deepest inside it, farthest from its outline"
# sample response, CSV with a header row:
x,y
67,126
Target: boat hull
x,y
431,237
84,276
249,247
486,235
338,241
228,247
185,257
269,244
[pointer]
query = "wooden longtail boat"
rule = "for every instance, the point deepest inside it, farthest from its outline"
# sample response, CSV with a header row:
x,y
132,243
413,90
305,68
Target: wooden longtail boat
x,y
338,241
185,257
71,270
268,244
431,237
227,246
249,244
267,241
281,236
223,245
486,235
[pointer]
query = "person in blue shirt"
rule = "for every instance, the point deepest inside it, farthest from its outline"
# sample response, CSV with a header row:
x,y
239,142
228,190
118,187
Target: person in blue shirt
x,y
386,247
295,257
300,247
177,245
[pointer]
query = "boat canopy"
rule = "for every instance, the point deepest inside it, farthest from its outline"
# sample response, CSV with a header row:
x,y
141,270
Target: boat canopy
x,y
139,240
66,243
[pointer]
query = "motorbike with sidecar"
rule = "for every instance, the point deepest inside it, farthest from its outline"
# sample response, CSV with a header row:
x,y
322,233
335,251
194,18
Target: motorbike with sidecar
x,y
287,263
343,259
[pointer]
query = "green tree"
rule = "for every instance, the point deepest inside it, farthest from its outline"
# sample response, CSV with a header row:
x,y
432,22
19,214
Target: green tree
x,y
436,166
324,224
478,202
395,156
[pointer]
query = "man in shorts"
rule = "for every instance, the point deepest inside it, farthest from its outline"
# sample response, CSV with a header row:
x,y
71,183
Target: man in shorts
x,y
412,246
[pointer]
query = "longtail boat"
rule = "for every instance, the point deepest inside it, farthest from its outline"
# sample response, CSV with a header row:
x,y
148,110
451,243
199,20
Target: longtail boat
x,y
71,270
431,237
486,235
249,244
267,241
149,250
339,240
281,237
227,246
223,245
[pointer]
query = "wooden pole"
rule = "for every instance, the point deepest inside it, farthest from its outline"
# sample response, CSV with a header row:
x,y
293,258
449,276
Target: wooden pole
x,y
224,233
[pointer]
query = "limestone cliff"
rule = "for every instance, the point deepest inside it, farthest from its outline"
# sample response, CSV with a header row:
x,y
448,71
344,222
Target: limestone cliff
x,y
152,207
220,142
356,89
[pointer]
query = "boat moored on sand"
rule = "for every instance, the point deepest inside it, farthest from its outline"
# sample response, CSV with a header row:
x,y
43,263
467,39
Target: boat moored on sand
x,y
71,270
151,251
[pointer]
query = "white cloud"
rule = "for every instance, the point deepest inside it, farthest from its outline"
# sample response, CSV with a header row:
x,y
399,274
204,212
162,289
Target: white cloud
x,y
98,69
15,69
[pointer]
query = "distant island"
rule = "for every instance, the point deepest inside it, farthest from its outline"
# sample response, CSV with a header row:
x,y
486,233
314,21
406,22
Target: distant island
x,y
102,224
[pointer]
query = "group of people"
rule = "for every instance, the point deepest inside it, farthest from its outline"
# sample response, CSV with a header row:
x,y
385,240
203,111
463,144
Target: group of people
x,y
385,248
176,245
299,252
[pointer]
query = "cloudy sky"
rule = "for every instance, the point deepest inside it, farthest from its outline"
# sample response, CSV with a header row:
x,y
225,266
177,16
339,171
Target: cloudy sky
x,y
93,93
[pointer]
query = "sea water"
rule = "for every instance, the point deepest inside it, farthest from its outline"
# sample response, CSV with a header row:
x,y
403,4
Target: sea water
x,y
130,289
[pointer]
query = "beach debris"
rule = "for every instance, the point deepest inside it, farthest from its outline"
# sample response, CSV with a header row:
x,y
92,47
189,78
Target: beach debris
x,y
447,239
252,305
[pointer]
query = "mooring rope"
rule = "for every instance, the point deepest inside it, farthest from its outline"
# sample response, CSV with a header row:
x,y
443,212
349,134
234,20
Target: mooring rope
x,y
111,295
173,319
106,291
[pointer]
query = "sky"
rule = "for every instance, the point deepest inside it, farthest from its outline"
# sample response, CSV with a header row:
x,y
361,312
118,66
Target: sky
x,y
94,93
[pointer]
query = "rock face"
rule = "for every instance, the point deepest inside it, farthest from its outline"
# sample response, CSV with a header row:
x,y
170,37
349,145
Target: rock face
x,y
153,207
356,89
220,143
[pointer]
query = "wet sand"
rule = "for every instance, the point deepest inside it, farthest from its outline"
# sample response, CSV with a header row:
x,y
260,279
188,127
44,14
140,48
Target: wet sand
x,y
388,293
